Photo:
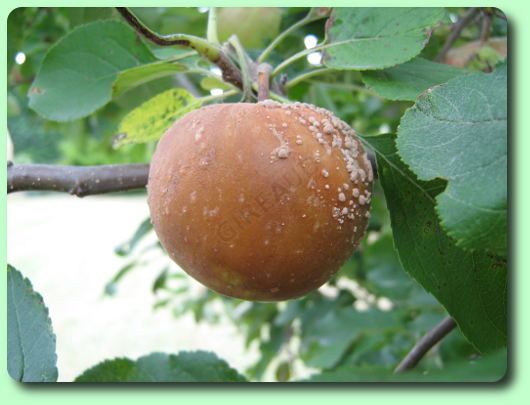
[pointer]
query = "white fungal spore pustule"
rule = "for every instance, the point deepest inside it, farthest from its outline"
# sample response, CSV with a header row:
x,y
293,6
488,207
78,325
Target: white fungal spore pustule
x,y
332,136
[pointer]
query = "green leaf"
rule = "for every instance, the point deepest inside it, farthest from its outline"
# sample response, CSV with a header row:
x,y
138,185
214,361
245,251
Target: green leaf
x,y
377,38
138,75
30,339
211,82
143,229
160,281
424,322
408,80
283,372
384,275
196,366
384,272
455,347
325,340
470,285
149,121
491,368
78,72
112,285
368,345
83,15
268,350
458,131
166,52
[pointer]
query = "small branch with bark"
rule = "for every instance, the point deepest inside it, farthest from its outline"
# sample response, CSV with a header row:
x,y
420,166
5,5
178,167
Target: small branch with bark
x,y
85,180
76,180
456,30
425,344
210,51
486,25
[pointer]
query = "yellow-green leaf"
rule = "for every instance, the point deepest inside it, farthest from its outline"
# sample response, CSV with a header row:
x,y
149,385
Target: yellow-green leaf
x,y
151,119
210,82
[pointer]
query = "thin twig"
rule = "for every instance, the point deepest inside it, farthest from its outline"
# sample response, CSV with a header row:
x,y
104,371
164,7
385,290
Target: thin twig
x,y
306,75
76,180
210,51
455,32
297,56
425,344
486,24
264,71
314,15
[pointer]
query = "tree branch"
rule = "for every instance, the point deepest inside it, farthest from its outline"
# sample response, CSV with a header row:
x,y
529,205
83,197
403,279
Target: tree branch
x,y
425,344
455,32
76,180
84,180
212,52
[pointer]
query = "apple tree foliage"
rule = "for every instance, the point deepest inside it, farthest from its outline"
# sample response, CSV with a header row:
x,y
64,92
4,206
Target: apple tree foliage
x,y
92,91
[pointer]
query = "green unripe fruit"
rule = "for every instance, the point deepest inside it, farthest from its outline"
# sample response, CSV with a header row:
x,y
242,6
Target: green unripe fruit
x,y
253,25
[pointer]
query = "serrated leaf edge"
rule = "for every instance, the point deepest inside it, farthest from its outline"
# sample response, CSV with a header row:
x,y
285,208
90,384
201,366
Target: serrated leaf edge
x,y
56,44
443,223
331,20
31,291
168,357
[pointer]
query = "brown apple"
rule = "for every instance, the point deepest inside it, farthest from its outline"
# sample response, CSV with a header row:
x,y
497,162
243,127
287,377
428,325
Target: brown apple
x,y
263,201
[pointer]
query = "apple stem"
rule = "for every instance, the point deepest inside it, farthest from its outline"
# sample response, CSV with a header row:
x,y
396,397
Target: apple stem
x,y
264,71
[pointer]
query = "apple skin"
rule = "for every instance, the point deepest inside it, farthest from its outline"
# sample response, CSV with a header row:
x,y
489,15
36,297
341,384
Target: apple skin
x,y
252,203
252,25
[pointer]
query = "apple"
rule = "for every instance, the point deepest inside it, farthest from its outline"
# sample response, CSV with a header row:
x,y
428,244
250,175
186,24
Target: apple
x,y
262,202
253,25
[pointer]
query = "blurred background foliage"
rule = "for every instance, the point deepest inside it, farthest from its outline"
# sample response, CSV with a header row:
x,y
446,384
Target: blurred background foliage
x,y
370,314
